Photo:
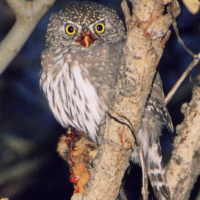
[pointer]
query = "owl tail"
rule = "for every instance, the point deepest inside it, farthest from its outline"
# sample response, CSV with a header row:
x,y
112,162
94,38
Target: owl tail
x,y
156,173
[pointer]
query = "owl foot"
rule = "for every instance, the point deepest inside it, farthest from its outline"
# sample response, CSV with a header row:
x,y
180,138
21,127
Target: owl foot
x,y
78,152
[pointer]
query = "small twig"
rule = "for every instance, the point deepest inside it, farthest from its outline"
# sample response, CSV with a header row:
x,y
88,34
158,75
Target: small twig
x,y
180,39
190,67
175,11
195,61
27,17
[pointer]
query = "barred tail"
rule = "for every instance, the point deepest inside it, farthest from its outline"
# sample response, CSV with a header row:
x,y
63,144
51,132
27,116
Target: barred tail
x,y
155,117
156,173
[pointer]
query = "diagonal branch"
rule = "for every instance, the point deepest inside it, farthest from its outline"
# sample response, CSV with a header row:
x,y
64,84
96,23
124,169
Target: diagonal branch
x,y
190,67
146,37
28,15
182,78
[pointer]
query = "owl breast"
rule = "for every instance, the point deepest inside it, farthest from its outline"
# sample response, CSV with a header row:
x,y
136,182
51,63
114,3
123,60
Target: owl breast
x,y
80,87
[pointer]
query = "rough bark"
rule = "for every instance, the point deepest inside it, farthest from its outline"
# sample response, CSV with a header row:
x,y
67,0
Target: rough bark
x,y
184,167
146,37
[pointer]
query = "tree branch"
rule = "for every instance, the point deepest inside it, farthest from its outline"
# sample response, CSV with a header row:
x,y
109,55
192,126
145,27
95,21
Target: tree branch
x,y
190,67
184,168
147,34
194,63
28,15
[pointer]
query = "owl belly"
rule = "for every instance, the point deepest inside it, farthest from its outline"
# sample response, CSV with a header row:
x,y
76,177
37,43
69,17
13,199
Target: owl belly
x,y
86,107
74,101
80,90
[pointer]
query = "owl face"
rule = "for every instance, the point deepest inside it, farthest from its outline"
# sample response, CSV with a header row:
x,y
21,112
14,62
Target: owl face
x,y
83,25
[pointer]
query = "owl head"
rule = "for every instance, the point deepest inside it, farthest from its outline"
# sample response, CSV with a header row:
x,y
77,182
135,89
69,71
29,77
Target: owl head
x,y
83,25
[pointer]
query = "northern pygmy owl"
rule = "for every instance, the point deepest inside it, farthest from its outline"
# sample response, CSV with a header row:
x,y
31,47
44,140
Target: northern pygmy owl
x,y
84,44
80,64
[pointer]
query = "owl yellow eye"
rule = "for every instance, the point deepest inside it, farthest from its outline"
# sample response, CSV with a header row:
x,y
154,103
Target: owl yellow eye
x,y
70,30
100,28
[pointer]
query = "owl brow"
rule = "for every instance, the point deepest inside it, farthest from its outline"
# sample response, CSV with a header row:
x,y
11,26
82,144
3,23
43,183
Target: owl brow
x,y
100,21
71,22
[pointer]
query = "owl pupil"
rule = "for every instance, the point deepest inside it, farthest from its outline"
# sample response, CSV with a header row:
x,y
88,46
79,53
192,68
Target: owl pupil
x,y
99,27
70,29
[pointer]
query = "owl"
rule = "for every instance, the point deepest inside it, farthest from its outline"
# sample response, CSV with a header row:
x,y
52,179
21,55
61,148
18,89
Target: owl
x,y
80,67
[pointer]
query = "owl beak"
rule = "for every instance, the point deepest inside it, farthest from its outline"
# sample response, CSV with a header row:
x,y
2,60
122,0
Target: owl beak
x,y
86,39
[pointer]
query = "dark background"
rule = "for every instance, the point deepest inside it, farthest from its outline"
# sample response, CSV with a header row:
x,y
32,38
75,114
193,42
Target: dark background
x,y
30,168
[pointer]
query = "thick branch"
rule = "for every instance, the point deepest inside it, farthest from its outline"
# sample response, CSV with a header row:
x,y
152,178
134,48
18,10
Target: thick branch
x,y
184,167
111,163
147,34
28,15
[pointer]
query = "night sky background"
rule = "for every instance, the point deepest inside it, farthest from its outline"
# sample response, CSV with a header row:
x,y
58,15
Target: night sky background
x,y
30,168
